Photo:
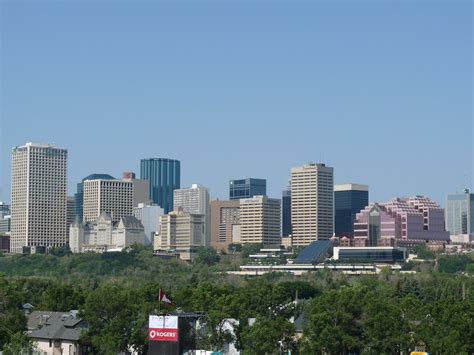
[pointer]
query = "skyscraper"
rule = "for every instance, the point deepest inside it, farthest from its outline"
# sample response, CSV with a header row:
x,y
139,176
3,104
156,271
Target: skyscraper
x,y
39,184
247,188
71,212
195,200
115,197
79,195
460,214
286,212
225,223
164,176
149,215
312,203
349,199
260,220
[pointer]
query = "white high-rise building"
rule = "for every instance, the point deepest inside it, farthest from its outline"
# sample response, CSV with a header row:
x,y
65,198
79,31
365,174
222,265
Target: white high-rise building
x,y
260,220
312,203
39,187
195,200
115,197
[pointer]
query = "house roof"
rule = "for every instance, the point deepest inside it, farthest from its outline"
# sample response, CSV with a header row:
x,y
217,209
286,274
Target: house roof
x,y
55,325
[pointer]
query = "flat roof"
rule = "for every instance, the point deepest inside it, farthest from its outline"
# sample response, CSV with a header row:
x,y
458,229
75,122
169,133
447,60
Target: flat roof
x,y
351,186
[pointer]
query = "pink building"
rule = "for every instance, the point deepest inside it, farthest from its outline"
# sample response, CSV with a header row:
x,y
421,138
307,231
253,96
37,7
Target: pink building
x,y
402,220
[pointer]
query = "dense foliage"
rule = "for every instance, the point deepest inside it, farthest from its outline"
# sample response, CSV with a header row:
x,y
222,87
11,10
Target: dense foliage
x,y
115,293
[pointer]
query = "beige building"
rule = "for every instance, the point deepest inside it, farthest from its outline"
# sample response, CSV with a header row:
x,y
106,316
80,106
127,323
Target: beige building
x,y
195,200
260,220
115,197
312,203
39,186
225,223
181,232
104,235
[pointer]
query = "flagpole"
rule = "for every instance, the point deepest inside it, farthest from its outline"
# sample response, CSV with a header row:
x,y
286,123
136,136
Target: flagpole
x,y
159,302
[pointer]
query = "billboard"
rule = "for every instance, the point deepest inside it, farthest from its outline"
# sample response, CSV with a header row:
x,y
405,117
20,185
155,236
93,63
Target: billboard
x,y
163,328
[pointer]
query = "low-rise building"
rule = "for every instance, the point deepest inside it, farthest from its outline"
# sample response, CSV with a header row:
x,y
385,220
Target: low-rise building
x,y
104,235
404,221
58,333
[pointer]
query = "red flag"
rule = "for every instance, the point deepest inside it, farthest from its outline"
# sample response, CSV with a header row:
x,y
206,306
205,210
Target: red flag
x,y
165,298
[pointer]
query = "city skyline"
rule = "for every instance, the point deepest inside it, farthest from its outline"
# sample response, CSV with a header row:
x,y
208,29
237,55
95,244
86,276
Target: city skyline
x,y
342,85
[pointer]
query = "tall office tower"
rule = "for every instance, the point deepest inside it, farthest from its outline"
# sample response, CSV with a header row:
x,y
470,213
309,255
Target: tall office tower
x,y
4,218
195,200
349,199
182,232
164,176
312,203
149,215
286,212
225,223
70,212
247,188
460,216
39,184
115,197
79,195
111,196
260,220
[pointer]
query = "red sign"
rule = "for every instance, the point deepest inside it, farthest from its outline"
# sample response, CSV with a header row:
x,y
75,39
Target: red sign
x,y
162,334
163,328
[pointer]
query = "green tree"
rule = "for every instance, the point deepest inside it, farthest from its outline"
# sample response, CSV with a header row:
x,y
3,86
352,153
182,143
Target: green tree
x,y
269,336
207,256
12,319
20,344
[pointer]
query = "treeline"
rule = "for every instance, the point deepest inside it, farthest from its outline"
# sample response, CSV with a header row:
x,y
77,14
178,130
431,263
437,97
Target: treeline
x,y
385,314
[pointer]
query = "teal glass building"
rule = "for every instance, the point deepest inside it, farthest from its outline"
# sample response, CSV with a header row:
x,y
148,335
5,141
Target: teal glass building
x,y
164,176
460,213
247,188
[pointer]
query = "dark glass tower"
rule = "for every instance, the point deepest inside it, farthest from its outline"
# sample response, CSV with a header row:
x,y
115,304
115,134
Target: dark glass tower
x,y
164,176
79,195
286,213
349,199
247,188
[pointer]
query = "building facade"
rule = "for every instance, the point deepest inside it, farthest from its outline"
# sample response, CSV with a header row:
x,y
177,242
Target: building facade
x,y
286,213
104,235
5,218
71,211
247,188
312,203
460,215
260,220
349,199
181,232
195,200
115,197
225,224
400,221
164,176
149,215
79,195
39,187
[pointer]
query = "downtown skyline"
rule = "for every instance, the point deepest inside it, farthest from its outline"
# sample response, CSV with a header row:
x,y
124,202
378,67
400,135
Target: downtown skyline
x,y
342,85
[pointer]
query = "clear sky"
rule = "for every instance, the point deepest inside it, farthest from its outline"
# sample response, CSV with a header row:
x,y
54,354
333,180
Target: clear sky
x,y
380,90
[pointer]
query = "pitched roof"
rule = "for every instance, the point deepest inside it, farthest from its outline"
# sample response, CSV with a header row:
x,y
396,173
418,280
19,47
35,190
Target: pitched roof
x,y
55,325
132,222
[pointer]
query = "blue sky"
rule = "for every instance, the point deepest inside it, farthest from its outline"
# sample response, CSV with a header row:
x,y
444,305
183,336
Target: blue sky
x,y
381,91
